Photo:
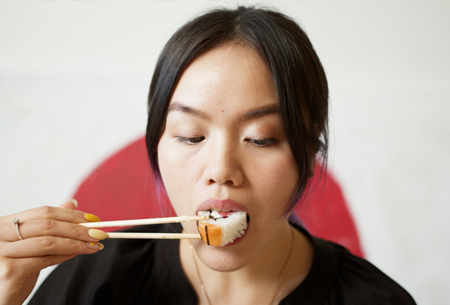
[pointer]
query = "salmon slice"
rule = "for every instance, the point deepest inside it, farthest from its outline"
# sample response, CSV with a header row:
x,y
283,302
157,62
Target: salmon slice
x,y
211,234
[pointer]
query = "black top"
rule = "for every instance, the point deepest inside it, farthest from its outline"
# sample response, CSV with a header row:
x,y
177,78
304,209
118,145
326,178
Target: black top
x,y
130,271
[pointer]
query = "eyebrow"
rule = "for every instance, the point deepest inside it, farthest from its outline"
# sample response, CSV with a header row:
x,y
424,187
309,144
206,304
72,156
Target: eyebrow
x,y
176,106
260,112
253,114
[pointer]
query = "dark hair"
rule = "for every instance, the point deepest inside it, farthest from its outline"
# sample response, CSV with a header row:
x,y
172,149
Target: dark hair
x,y
297,73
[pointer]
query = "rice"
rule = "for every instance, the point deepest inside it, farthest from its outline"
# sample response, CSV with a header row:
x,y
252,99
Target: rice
x,y
218,230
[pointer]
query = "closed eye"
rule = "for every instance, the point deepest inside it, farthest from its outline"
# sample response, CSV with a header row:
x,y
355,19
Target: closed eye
x,y
190,141
263,142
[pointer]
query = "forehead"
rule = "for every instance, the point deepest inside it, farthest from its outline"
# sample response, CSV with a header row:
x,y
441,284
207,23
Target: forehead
x,y
232,77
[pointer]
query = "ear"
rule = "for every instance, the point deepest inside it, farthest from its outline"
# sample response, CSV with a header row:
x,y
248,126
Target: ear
x,y
318,130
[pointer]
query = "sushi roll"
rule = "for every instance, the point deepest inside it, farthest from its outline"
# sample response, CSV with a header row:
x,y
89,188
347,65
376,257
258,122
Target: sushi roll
x,y
221,227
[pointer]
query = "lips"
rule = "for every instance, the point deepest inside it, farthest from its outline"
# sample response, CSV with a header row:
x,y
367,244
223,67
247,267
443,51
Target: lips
x,y
223,205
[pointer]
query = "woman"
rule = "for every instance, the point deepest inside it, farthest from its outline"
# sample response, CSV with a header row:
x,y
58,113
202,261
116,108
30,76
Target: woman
x,y
237,114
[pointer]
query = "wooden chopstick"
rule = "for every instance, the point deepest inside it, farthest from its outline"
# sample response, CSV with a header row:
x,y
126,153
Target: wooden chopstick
x,y
154,235
135,222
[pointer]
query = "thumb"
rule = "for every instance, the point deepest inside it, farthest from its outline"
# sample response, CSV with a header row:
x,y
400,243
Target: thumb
x,y
72,204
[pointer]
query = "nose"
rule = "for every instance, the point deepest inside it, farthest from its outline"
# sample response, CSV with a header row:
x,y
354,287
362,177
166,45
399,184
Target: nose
x,y
223,165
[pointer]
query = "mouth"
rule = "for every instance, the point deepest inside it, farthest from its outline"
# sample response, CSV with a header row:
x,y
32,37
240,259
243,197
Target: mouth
x,y
222,227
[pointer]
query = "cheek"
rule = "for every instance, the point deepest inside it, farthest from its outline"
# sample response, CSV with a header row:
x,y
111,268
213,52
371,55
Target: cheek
x,y
277,181
176,172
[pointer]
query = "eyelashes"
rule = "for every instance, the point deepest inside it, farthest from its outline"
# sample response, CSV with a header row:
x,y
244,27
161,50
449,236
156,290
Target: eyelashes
x,y
190,141
256,142
263,142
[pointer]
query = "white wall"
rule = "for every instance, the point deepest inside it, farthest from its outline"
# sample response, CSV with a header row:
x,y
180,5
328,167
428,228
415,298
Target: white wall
x,y
74,77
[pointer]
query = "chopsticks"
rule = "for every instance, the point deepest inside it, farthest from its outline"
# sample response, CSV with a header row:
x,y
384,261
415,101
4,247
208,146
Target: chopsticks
x,y
135,222
154,235
148,221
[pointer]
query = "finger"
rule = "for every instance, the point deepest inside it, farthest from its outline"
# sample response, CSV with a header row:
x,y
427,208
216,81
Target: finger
x,y
48,212
49,227
48,245
72,204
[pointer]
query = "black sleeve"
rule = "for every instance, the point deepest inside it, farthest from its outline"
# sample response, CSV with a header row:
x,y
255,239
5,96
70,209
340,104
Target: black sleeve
x,y
337,277
118,274
360,282
126,271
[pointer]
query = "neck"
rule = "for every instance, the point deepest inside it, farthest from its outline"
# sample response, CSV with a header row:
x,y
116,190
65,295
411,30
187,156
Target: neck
x,y
257,282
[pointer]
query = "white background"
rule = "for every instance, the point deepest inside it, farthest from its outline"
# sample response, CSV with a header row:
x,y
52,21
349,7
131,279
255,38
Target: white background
x,y
74,78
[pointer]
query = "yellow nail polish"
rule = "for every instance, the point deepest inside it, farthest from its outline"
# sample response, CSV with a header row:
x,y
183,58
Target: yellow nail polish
x,y
95,246
91,217
97,234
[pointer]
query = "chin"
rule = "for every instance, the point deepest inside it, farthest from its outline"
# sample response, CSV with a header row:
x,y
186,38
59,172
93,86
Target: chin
x,y
223,259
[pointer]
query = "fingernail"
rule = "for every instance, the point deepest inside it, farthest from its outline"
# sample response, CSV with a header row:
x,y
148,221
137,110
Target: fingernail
x,y
95,246
91,217
97,234
74,201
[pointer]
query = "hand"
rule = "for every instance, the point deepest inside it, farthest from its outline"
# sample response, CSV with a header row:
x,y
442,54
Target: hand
x,y
50,236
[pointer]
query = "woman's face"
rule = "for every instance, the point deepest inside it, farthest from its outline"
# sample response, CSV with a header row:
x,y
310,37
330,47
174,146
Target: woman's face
x,y
224,146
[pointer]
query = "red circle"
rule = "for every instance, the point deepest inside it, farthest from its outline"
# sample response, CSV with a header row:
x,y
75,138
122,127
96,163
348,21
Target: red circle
x,y
123,187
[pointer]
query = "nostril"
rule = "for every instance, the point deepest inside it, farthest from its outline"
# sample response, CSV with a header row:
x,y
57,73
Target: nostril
x,y
229,182
212,181
222,176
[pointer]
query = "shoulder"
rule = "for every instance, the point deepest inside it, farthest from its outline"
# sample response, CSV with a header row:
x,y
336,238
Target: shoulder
x,y
338,277
357,281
